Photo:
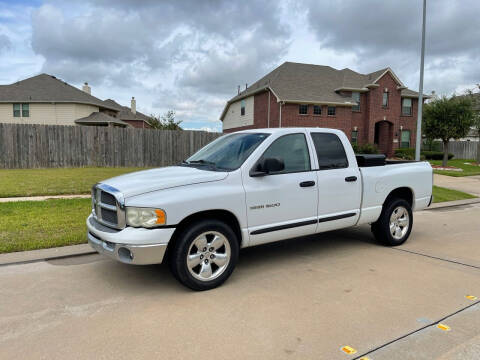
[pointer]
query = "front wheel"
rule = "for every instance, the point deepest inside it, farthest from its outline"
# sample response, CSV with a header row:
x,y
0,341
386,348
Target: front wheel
x,y
204,255
395,223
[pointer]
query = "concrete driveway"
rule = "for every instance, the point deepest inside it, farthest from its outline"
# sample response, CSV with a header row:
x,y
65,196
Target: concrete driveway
x,y
468,184
299,299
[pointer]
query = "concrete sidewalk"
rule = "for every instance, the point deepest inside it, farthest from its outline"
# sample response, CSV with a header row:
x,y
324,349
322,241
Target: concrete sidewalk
x,y
468,184
42,198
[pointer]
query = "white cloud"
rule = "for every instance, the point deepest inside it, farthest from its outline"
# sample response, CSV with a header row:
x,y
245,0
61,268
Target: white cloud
x,y
190,55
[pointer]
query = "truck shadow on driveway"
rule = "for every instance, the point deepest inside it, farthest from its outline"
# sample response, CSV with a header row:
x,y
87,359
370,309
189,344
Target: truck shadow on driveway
x,y
252,261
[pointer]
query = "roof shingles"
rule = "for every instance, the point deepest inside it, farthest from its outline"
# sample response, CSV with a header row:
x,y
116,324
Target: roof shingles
x,y
47,88
313,83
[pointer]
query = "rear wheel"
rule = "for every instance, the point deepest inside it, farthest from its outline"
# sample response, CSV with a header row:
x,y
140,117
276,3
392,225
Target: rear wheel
x,y
395,222
205,255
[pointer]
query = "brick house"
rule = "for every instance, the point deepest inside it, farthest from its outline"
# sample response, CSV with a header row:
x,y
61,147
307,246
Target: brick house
x,y
370,108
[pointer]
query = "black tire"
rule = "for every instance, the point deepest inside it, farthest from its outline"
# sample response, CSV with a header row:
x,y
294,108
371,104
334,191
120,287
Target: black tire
x,y
184,243
381,228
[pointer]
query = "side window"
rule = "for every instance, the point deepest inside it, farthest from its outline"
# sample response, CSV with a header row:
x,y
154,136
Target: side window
x,y
330,151
293,150
242,107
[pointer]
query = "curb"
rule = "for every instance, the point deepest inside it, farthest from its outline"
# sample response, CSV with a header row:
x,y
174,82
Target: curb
x,y
447,204
25,257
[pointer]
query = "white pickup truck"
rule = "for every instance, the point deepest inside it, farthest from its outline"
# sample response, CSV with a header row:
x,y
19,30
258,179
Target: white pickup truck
x,y
249,188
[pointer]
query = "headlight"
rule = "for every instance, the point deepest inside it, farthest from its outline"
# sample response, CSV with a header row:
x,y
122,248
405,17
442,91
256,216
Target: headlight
x,y
145,217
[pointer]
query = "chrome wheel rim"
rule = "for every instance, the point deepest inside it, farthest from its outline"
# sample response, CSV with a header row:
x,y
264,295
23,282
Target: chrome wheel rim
x,y
399,222
208,256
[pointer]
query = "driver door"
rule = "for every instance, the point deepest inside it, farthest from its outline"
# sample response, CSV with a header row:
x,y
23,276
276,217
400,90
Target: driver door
x,y
283,204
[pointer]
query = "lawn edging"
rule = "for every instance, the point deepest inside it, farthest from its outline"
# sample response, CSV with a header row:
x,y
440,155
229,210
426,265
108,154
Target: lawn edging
x,y
30,256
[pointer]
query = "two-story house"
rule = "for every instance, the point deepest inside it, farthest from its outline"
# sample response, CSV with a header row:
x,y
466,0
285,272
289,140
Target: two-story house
x,y
370,108
45,99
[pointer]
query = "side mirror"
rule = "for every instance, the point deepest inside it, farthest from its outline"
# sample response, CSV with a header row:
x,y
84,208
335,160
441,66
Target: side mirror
x,y
267,166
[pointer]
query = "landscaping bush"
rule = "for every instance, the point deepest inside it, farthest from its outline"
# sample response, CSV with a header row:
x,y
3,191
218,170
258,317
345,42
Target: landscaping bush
x,y
365,149
405,153
435,155
409,154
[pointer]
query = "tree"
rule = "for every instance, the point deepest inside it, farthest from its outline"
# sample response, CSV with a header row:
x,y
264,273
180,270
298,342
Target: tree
x,y
476,122
448,118
164,122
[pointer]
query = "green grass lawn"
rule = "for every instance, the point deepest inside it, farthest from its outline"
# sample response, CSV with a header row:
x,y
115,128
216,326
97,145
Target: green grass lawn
x,y
30,225
59,181
468,170
441,194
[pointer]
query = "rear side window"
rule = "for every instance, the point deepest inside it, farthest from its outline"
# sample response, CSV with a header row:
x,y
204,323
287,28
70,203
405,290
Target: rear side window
x,y
330,151
293,150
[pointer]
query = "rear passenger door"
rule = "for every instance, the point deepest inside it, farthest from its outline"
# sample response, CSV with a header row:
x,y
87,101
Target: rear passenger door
x,y
339,183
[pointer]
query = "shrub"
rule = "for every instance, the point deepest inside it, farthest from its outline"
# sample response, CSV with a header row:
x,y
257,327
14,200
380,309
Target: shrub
x,y
365,149
405,153
435,155
409,154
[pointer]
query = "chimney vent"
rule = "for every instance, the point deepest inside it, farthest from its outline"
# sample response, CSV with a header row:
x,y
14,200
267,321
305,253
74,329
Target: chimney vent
x,y
238,90
133,105
87,88
246,85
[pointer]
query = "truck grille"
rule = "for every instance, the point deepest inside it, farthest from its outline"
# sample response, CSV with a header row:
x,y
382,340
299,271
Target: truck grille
x,y
108,207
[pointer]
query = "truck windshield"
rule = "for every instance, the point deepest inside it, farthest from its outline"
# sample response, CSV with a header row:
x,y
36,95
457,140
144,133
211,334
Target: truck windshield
x,y
227,152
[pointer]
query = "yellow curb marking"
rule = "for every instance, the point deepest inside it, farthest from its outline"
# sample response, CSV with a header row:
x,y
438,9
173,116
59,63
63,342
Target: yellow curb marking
x,y
443,327
471,297
364,358
348,350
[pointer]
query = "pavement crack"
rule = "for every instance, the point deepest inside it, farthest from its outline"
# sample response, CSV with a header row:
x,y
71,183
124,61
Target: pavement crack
x,y
416,331
437,258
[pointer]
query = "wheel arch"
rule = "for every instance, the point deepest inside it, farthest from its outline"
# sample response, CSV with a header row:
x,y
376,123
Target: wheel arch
x,y
218,214
404,193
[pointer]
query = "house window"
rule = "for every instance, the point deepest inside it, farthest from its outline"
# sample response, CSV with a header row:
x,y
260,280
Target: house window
x,y
331,111
16,110
25,110
356,99
407,106
21,110
405,139
385,100
303,109
317,110
242,107
354,136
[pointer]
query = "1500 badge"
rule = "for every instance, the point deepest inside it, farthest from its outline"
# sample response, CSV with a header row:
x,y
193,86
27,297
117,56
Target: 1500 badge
x,y
266,206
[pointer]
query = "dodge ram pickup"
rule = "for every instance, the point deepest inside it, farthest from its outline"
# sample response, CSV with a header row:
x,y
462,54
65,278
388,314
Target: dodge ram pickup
x,y
249,188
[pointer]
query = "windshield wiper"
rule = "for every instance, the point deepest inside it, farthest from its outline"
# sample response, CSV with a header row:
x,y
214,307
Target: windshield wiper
x,y
201,161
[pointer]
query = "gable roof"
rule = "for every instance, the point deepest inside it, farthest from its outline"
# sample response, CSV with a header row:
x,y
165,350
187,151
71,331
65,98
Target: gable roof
x,y
100,118
297,82
46,88
125,113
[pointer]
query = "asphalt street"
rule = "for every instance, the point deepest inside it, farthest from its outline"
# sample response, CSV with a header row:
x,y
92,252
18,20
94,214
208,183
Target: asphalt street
x,y
309,298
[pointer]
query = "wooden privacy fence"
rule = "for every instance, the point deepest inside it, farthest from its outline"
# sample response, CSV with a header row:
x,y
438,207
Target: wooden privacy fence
x,y
44,146
463,149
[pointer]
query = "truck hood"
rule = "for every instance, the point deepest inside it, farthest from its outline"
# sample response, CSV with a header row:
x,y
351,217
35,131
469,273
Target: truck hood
x,y
145,181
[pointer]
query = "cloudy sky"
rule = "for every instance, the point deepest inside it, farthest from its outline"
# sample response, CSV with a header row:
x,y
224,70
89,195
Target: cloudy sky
x,y
191,55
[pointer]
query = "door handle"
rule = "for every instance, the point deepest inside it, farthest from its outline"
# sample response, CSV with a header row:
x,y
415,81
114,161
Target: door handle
x,y
350,178
307,183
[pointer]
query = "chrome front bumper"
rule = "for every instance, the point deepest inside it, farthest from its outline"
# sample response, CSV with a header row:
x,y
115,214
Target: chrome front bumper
x,y
129,254
135,246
